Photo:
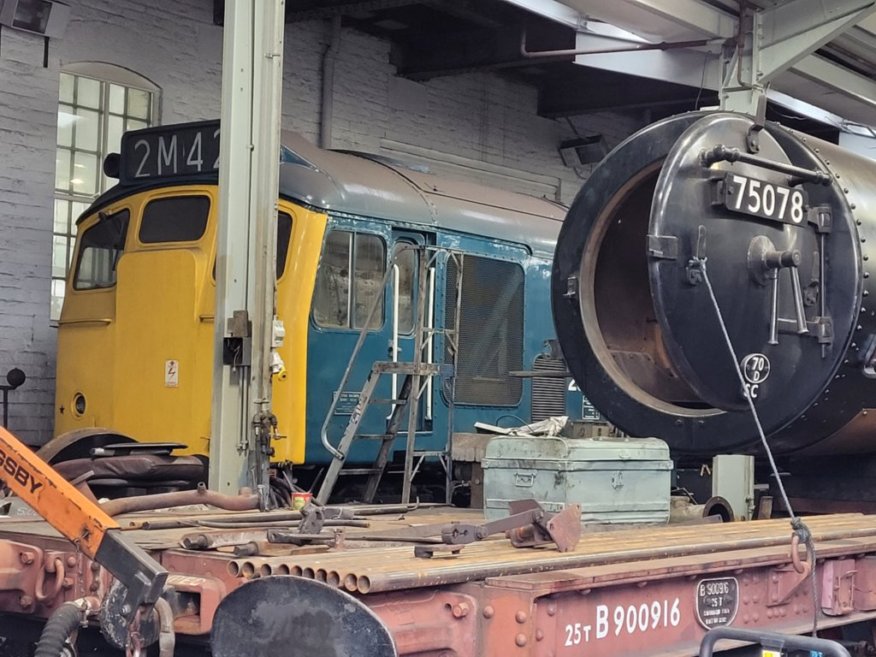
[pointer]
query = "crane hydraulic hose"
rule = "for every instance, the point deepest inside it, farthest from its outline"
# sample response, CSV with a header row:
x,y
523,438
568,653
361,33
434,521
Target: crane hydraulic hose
x,y
62,624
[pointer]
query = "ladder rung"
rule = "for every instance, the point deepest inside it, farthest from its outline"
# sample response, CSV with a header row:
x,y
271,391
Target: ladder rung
x,y
397,402
358,471
374,436
429,452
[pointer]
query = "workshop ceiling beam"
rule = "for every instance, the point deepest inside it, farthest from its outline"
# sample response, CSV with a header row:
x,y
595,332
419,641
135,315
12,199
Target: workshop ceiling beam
x,y
689,67
599,91
552,10
435,54
792,31
466,10
843,81
773,40
301,10
661,20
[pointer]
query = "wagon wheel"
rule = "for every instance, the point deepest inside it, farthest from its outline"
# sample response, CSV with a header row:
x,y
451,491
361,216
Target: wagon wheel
x,y
296,617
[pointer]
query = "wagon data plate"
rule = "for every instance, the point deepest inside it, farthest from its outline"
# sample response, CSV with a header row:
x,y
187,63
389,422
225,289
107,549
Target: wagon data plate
x,y
717,601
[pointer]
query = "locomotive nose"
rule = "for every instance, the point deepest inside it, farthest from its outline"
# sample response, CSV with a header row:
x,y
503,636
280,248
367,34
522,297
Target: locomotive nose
x,y
702,205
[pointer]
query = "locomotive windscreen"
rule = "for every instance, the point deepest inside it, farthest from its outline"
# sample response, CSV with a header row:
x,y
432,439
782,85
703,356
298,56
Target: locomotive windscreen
x,y
778,223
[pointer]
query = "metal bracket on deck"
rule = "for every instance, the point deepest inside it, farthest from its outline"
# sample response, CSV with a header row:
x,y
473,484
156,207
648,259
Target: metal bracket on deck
x,y
785,581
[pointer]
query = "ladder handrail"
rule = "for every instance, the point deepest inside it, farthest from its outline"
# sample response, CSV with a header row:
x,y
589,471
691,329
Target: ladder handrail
x,y
323,434
459,262
430,325
396,298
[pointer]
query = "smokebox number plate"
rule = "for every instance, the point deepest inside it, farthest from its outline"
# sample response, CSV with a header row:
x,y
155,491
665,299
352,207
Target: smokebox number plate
x,y
764,199
717,601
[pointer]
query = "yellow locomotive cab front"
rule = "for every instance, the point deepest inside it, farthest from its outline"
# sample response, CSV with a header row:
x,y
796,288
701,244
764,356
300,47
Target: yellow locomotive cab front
x,y
141,294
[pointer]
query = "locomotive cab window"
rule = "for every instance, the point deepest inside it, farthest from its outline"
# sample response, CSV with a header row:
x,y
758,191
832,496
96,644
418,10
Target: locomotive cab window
x,y
342,300
99,250
490,330
176,219
284,236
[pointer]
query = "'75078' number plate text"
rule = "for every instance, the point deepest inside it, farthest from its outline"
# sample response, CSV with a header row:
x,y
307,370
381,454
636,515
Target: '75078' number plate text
x,y
764,199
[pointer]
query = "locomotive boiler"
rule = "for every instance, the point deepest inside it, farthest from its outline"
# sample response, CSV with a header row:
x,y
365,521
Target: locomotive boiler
x,y
781,226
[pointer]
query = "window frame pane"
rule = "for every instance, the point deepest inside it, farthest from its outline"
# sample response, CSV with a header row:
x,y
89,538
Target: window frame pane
x,y
89,92
162,224
483,381
342,308
284,240
63,208
63,164
113,91
86,178
87,129
359,285
122,215
407,296
66,120
66,87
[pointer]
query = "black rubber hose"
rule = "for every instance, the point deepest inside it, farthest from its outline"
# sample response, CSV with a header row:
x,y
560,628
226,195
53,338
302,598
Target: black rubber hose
x,y
61,624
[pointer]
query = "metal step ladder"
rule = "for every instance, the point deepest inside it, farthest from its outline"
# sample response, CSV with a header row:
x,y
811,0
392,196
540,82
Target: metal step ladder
x,y
418,376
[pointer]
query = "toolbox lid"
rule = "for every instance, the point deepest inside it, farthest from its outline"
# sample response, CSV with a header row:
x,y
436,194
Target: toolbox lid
x,y
558,448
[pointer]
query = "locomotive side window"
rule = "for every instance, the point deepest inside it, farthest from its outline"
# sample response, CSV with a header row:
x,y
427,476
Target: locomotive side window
x,y
338,303
406,261
369,266
176,219
331,299
284,235
99,250
490,330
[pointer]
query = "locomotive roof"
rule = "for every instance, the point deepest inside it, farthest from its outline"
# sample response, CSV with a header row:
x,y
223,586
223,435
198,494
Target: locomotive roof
x,y
386,189
381,188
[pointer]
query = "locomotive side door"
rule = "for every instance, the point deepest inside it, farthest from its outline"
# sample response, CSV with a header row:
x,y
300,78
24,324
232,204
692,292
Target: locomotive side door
x,y
358,255
404,284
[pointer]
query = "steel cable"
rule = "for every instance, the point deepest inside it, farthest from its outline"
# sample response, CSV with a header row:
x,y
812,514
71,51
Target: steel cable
x,y
797,525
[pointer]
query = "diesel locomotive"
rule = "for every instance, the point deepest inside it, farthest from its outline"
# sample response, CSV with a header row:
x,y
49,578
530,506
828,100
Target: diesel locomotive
x,y
135,337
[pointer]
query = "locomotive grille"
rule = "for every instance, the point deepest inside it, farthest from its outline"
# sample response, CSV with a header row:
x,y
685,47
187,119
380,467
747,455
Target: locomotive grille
x,y
548,393
490,331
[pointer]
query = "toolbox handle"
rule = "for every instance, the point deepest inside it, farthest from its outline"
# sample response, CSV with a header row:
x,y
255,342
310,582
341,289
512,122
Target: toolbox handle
x,y
771,640
524,479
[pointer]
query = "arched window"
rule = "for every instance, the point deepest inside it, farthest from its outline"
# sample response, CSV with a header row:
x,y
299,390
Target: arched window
x,y
96,104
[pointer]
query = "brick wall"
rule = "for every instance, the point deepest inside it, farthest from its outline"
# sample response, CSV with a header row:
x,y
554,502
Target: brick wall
x,y
477,125
28,119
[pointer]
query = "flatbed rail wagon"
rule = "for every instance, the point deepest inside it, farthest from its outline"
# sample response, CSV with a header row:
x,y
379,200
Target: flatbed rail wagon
x,y
645,591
